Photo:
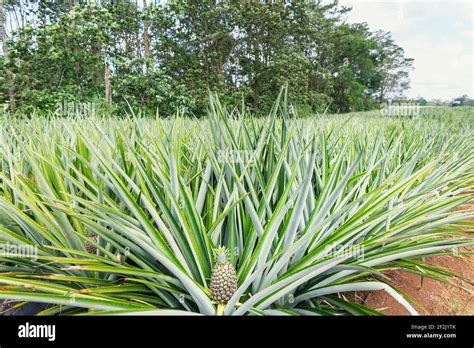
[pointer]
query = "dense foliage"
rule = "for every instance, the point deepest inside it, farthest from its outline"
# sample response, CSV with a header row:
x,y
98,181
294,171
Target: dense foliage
x,y
168,56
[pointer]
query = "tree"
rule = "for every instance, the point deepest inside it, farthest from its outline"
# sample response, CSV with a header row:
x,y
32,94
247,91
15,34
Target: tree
x,y
8,80
421,101
394,67
171,55
463,100
62,60
191,42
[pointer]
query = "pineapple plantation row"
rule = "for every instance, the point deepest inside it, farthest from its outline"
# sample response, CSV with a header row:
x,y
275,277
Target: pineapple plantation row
x,y
231,214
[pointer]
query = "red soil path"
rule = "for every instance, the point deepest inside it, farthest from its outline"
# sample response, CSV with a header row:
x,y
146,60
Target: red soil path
x,y
435,297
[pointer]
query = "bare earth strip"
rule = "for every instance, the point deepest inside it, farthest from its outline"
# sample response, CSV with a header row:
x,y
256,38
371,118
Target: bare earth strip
x,y
435,297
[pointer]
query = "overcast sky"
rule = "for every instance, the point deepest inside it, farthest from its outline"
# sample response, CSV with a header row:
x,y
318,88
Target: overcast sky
x,y
439,35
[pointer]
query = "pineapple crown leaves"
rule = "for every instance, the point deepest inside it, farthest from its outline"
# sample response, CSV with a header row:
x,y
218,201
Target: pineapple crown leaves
x,y
221,254
89,234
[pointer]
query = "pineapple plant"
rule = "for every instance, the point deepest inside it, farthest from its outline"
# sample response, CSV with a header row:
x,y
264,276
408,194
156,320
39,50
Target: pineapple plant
x,y
309,219
224,278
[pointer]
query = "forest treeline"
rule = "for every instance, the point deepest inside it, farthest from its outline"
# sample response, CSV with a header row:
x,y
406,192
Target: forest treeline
x,y
155,55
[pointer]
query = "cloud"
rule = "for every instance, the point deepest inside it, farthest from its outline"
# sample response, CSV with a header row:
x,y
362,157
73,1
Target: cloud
x,y
438,35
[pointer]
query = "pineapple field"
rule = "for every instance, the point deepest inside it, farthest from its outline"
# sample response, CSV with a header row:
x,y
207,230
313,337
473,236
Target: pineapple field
x,y
229,214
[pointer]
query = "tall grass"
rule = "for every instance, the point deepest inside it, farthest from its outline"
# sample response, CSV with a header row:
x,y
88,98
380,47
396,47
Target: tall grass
x,y
309,207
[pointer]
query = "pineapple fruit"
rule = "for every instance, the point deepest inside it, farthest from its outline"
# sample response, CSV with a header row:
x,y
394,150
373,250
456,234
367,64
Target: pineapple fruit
x,y
223,278
90,247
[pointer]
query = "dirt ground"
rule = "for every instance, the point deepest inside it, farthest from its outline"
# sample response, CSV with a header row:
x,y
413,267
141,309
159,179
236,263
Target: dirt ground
x,y
435,297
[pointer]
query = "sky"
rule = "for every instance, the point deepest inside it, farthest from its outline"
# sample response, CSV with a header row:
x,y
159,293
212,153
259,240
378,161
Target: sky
x,y
439,35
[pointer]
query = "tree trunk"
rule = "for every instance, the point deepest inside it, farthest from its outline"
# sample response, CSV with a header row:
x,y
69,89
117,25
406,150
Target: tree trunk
x,y
108,86
256,83
127,46
146,36
382,94
3,36
3,33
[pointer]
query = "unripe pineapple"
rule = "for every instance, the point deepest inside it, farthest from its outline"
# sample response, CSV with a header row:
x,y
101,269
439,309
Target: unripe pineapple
x,y
91,248
224,278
